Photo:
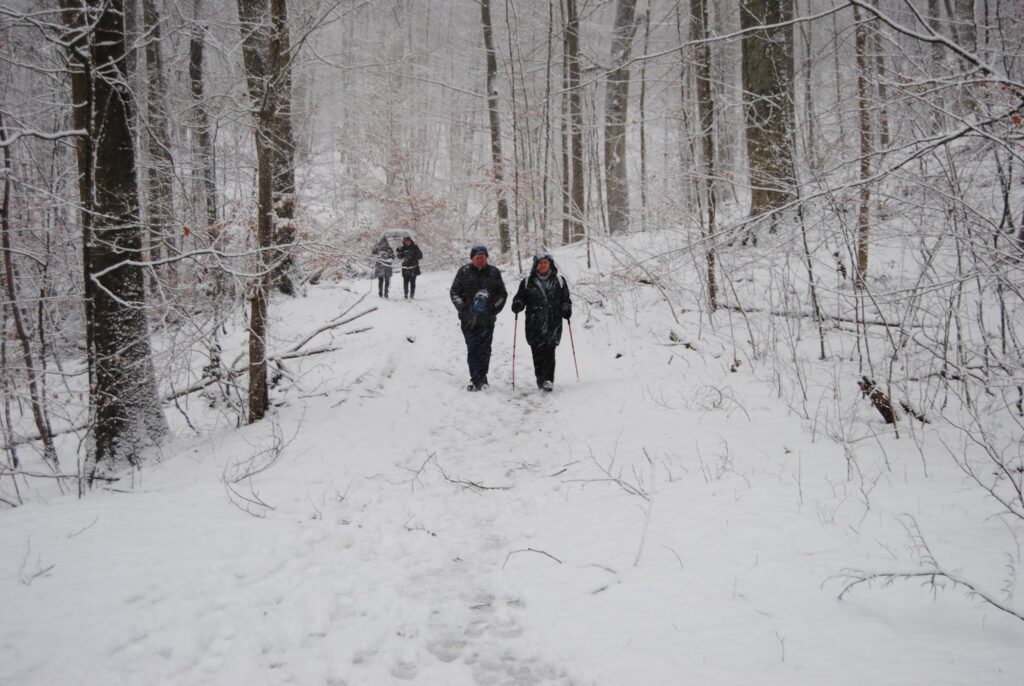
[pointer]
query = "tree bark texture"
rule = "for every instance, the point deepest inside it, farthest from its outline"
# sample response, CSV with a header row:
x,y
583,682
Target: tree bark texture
x,y
864,117
159,171
123,392
767,69
259,394
566,136
265,52
494,117
643,123
204,153
706,117
572,49
616,108
270,91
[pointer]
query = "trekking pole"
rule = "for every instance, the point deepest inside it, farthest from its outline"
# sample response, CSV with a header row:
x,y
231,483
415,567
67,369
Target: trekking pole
x,y
573,344
515,336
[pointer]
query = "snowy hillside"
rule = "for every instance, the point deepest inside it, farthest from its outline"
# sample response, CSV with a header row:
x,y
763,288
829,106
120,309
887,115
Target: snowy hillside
x,y
664,519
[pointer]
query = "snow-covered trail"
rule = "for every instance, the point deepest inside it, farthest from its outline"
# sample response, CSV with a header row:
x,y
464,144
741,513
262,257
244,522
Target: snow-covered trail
x,y
661,521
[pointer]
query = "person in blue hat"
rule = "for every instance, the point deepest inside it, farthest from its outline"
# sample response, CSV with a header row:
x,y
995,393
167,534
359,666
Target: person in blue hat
x,y
478,293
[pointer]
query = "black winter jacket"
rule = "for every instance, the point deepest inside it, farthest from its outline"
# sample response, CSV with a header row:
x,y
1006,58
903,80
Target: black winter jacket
x,y
547,302
382,257
481,287
410,255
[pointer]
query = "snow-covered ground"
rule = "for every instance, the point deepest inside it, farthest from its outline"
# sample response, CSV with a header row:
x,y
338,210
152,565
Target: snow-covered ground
x,y
662,520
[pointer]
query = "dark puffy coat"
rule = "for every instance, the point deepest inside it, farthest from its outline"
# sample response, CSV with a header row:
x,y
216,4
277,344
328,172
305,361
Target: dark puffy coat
x,y
382,255
546,301
410,255
468,284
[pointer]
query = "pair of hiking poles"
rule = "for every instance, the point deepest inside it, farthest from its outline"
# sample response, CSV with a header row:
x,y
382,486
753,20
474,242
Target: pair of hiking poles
x,y
515,339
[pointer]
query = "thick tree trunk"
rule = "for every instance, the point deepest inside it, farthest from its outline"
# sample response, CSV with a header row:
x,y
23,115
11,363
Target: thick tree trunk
x,y
128,412
768,102
616,104
494,117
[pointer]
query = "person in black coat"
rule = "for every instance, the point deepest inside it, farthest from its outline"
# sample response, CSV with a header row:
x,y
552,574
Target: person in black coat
x,y
410,255
383,256
545,297
478,293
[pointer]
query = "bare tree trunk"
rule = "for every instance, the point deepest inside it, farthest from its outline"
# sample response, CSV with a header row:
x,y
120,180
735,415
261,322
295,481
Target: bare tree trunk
x,y
547,125
706,116
838,81
566,137
572,49
810,116
519,146
938,56
36,397
863,221
494,117
882,91
616,105
259,395
768,102
205,153
283,275
159,171
271,92
968,24
265,50
643,121
129,415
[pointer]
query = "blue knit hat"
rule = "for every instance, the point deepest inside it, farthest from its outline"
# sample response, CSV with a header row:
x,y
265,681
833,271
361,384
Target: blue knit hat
x,y
478,249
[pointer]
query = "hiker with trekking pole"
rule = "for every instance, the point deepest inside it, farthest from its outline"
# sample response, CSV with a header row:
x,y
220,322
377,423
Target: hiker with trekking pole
x,y
545,297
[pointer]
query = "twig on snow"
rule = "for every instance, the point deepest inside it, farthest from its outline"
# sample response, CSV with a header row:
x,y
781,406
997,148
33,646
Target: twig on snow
x,y
529,550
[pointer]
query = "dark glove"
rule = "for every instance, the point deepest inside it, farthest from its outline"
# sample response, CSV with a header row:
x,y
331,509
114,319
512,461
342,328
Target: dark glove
x,y
566,311
517,306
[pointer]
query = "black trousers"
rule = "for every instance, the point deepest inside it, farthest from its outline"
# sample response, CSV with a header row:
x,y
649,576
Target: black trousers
x,y
408,284
543,363
478,352
383,285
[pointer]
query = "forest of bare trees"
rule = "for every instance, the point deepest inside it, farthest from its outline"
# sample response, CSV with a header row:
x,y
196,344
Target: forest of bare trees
x,y
169,167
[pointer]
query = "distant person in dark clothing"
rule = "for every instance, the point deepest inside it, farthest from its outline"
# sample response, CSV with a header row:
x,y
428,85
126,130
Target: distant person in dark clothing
x,y
545,297
478,294
383,256
410,255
